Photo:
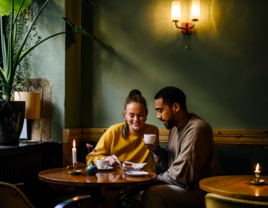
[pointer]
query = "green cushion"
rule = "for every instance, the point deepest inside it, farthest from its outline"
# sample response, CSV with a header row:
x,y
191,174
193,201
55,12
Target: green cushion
x,y
242,160
238,160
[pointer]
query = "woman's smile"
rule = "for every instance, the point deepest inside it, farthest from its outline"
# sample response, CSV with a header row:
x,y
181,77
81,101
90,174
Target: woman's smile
x,y
135,115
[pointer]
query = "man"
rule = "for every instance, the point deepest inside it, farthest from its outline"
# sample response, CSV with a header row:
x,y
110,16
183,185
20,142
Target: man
x,y
189,157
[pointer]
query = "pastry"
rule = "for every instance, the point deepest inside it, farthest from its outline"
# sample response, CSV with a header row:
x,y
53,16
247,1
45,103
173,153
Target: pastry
x,y
127,165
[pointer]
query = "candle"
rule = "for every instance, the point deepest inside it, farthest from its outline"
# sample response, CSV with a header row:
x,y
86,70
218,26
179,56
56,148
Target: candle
x,y
257,173
257,169
74,152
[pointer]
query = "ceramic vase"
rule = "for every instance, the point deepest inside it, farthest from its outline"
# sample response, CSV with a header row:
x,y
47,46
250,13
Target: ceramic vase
x,y
11,121
92,169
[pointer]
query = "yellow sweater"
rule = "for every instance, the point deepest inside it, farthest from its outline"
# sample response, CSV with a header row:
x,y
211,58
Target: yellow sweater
x,y
132,149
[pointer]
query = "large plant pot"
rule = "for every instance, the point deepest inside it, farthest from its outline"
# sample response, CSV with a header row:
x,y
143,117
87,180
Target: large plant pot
x,y
11,122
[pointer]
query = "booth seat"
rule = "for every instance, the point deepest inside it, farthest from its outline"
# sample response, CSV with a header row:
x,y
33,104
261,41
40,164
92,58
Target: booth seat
x,y
242,160
239,160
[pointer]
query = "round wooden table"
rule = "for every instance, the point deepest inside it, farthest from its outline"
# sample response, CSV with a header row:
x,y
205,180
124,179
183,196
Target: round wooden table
x,y
237,186
103,187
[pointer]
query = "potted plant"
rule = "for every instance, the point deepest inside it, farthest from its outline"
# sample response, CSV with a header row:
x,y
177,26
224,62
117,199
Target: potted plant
x,y
12,112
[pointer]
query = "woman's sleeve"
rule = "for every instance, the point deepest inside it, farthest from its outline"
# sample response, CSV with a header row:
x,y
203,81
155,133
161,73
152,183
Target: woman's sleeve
x,y
103,147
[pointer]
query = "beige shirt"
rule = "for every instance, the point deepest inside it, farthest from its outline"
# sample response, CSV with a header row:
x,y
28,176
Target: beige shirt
x,y
190,155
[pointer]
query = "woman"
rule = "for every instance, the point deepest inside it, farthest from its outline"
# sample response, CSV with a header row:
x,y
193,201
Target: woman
x,y
124,141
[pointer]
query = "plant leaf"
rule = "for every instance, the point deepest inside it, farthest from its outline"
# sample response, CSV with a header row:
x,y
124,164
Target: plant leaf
x,y
77,29
89,2
5,6
3,43
3,76
25,38
68,21
82,31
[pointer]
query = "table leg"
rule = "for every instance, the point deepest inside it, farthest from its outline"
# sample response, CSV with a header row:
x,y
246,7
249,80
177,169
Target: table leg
x,y
108,199
100,197
94,192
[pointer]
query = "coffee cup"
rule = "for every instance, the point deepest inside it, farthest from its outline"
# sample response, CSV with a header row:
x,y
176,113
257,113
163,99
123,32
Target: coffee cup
x,y
102,163
149,138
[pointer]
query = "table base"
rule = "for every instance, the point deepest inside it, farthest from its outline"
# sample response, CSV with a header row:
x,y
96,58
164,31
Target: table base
x,y
100,197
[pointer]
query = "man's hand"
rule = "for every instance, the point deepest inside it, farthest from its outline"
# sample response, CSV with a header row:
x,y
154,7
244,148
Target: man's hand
x,y
113,160
153,147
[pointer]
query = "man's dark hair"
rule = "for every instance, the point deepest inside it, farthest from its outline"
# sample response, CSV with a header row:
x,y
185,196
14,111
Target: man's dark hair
x,y
171,95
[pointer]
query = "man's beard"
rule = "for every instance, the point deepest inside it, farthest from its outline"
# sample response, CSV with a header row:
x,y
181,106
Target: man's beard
x,y
170,123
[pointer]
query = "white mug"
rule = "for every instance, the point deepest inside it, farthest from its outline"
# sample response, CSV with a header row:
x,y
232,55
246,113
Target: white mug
x,y
149,138
102,163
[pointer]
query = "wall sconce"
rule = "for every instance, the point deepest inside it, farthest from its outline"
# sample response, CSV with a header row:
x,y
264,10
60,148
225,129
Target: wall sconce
x,y
186,27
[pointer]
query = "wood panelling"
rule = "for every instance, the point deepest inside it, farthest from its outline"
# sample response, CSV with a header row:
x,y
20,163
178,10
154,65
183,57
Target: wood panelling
x,y
222,137
241,137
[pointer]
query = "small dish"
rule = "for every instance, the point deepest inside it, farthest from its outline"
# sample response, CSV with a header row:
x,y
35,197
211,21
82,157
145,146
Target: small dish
x,y
137,173
260,182
130,169
109,168
76,172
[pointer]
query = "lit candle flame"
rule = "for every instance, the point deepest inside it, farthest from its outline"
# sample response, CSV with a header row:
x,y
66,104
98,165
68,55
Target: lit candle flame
x,y
73,143
257,167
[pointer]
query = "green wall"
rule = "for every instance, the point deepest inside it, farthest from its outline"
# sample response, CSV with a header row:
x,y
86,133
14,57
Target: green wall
x,y
223,72
48,60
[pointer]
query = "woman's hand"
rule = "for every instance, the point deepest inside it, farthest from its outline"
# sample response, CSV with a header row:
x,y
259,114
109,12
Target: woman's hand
x,y
113,160
153,147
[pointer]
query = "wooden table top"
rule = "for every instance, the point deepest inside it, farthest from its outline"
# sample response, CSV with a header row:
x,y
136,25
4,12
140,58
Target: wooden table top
x,y
112,178
237,186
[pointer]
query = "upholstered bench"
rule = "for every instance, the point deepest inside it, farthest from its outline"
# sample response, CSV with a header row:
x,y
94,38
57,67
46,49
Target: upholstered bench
x,y
239,160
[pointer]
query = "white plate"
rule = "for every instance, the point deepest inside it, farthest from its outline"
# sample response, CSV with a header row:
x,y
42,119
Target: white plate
x,y
109,168
137,173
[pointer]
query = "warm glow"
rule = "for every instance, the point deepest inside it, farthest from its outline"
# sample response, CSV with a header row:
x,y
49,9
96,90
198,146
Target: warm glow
x,y
257,167
33,103
175,11
195,13
73,143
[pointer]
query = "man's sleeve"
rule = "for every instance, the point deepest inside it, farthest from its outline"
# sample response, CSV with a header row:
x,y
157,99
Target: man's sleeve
x,y
187,168
161,157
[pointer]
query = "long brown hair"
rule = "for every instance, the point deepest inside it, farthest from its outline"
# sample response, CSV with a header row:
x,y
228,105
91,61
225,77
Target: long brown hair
x,y
133,97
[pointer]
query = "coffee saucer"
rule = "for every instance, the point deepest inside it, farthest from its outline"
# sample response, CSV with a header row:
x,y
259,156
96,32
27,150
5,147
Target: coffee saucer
x,y
109,168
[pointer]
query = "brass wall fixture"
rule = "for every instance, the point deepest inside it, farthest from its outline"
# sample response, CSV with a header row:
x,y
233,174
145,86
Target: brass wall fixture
x,y
186,27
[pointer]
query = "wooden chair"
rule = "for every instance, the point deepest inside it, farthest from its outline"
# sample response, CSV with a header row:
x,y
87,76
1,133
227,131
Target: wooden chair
x,y
217,201
12,197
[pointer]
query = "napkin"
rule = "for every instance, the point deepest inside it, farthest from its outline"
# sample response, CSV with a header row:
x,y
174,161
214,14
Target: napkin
x,y
136,165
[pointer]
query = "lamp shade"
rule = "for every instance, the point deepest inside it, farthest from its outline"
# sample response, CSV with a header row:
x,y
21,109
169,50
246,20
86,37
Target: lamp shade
x,y
195,12
175,11
33,103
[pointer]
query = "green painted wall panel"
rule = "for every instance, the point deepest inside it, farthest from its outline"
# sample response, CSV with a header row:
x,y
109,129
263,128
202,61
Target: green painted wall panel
x,y
223,72
48,60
